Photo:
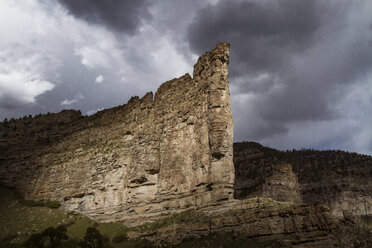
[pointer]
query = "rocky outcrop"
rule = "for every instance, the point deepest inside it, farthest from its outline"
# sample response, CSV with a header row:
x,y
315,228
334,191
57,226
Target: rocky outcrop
x,y
260,219
152,156
338,179
282,185
163,154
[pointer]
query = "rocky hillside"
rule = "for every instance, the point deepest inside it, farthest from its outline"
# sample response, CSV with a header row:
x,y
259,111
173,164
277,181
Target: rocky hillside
x,y
165,165
339,179
255,222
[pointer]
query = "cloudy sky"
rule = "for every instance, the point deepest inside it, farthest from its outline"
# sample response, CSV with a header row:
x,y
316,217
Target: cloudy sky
x,y
300,71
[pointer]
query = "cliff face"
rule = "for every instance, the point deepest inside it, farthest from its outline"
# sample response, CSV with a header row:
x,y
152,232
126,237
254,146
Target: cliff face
x,y
150,157
338,179
256,218
173,151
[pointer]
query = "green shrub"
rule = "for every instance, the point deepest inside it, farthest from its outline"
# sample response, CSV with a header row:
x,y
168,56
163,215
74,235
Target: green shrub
x,y
120,238
71,243
49,238
53,204
35,240
187,216
94,239
49,204
33,203
137,243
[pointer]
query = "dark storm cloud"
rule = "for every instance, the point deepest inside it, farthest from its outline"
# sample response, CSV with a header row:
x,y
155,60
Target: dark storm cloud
x,y
261,34
8,103
294,59
121,16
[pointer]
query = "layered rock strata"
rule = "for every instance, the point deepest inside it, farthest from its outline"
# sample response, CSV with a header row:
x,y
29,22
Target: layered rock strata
x,y
152,156
257,218
340,180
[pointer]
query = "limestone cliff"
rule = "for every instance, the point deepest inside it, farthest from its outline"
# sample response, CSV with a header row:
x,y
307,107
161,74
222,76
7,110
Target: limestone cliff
x,y
173,151
257,218
152,156
338,179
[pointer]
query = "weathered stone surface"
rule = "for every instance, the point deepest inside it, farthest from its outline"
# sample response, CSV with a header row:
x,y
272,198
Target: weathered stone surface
x,y
153,156
162,154
260,218
340,180
282,185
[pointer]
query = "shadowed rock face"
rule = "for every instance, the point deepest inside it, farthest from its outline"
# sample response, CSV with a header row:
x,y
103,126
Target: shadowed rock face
x,y
150,157
260,218
338,179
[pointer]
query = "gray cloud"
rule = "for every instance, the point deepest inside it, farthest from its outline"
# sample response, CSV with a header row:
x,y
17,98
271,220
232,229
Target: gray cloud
x,y
263,35
8,102
294,60
122,16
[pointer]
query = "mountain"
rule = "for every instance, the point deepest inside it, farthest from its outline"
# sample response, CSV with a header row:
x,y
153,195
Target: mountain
x,y
338,179
165,166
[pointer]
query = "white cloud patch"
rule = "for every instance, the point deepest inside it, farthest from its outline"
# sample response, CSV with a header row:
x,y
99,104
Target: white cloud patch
x,y
93,57
92,112
21,79
99,79
148,64
77,98
77,50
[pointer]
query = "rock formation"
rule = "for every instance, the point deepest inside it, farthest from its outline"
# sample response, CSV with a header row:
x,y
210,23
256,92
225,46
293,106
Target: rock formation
x,y
258,221
338,179
164,154
259,218
150,157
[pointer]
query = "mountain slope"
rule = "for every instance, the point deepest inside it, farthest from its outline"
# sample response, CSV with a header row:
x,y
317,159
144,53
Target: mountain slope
x,y
341,180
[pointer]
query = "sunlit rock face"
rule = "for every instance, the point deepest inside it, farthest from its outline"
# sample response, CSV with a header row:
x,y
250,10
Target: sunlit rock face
x,y
153,156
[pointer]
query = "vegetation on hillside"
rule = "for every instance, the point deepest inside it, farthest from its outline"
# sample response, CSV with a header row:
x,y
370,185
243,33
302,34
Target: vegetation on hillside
x,y
33,224
255,162
20,220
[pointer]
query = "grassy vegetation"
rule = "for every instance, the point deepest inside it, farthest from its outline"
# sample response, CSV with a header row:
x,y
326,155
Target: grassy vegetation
x,y
367,220
20,219
49,204
188,216
228,240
